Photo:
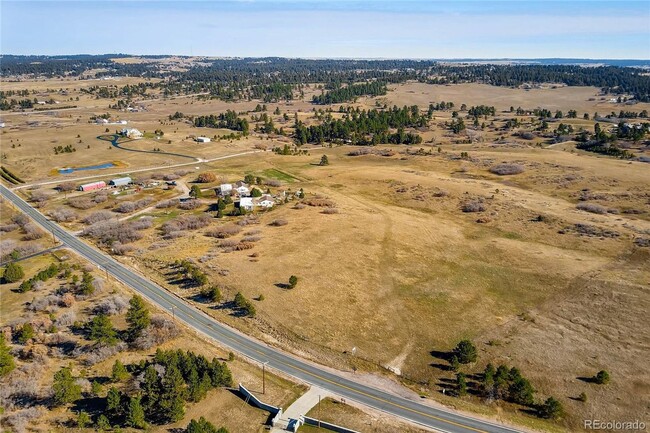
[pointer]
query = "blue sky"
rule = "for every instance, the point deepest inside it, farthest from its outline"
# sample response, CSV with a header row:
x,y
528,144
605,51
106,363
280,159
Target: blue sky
x,y
334,28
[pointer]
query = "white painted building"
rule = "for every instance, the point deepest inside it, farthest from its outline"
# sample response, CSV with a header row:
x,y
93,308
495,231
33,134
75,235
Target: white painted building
x,y
131,133
120,181
266,201
246,203
202,139
242,189
225,189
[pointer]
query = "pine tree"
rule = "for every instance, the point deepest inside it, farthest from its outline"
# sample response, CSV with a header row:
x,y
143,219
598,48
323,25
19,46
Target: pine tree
x,y
465,351
521,391
135,414
487,384
64,388
214,293
101,330
95,388
551,409
13,272
195,191
83,419
220,373
114,401
172,394
602,377
203,426
103,423
324,160
501,378
150,389
461,384
454,363
7,363
26,333
119,372
193,383
137,317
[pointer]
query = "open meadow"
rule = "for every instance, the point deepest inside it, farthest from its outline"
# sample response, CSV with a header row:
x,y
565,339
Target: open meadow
x,y
536,251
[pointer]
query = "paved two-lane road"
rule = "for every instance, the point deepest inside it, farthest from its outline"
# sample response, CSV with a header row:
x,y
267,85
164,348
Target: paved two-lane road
x,y
412,410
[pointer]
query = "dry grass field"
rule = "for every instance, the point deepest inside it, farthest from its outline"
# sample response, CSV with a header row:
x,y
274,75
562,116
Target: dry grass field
x,y
393,265
341,414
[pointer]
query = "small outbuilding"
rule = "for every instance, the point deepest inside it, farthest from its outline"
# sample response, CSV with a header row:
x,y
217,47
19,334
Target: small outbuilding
x,y
121,181
202,139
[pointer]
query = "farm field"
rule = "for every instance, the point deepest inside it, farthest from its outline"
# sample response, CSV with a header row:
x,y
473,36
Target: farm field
x,y
399,251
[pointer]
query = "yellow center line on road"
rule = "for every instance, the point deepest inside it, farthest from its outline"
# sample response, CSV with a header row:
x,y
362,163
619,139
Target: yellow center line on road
x,y
380,399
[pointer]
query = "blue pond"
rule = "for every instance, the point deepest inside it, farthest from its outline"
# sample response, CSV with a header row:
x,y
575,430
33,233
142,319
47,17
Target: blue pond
x,y
90,167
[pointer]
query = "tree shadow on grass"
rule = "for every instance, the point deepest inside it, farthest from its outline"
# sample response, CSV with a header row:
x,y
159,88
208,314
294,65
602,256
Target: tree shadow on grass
x,y
443,367
93,406
586,379
243,397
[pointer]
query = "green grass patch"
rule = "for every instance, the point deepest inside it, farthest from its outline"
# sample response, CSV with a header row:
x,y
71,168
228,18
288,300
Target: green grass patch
x,y
274,173
511,235
163,217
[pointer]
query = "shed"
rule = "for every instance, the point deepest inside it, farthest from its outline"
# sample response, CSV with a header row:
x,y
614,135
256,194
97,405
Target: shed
x,y
202,139
121,181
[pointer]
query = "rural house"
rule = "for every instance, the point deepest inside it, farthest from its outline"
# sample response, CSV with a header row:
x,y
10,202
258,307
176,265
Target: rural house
x,y
224,189
245,203
242,189
266,201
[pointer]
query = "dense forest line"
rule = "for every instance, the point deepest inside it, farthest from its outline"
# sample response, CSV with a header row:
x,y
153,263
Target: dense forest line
x,y
350,93
228,120
365,127
273,79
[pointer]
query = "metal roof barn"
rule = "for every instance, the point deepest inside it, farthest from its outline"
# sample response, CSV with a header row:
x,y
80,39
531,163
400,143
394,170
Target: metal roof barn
x,y
92,186
120,181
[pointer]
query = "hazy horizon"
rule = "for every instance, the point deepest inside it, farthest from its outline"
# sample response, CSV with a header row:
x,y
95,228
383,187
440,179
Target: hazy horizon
x,y
331,29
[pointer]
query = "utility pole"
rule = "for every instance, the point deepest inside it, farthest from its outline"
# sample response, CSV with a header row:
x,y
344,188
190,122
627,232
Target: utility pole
x,y
264,377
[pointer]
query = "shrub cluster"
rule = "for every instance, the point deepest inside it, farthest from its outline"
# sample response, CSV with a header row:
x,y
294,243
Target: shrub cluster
x,y
132,206
507,169
98,216
473,206
62,214
190,204
112,231
224,231
165,204
206,177
184,223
